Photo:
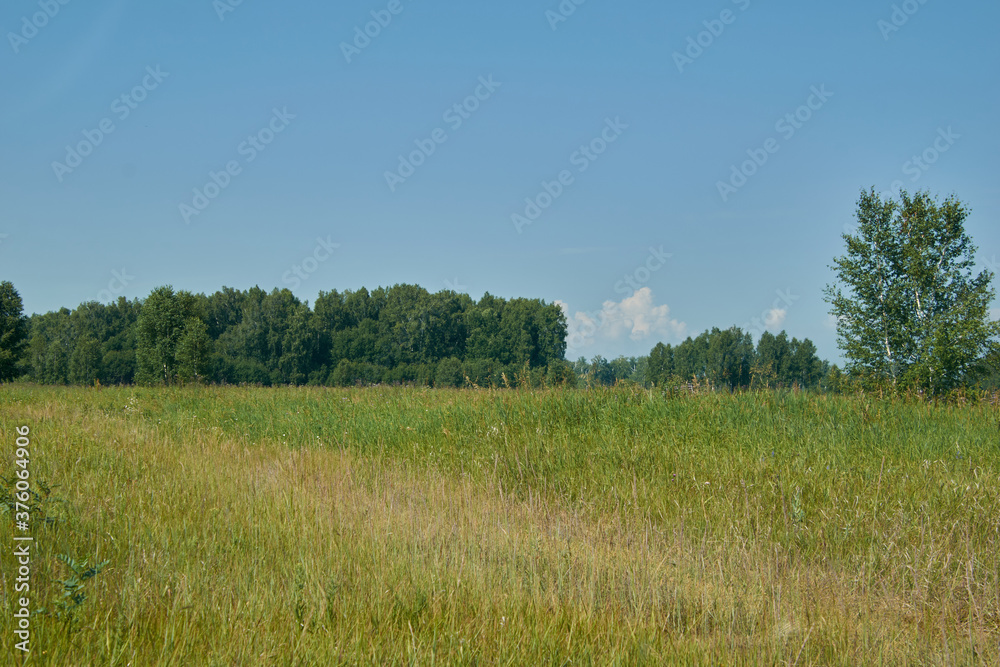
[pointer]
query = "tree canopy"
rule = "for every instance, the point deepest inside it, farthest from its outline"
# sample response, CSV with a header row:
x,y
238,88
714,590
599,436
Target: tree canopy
x,y
397,334
910,310
13,331
726,358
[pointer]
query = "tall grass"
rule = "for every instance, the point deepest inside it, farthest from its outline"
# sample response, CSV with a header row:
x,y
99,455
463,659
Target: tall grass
x,y
615,526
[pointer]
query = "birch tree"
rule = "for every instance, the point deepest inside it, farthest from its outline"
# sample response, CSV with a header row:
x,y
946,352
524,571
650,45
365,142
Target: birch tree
x,y
910,310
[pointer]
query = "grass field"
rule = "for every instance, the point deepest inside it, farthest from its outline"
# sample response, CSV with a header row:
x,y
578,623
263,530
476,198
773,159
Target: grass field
x,y
560,527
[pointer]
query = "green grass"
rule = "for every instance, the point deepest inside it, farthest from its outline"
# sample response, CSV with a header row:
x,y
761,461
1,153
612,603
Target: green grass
x,y
414,526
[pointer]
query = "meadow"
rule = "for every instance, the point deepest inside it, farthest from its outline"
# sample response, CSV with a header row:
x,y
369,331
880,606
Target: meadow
x,y
382,525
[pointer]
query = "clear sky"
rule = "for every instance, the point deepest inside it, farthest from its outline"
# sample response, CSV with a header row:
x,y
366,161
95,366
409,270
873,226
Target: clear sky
x,y
324,158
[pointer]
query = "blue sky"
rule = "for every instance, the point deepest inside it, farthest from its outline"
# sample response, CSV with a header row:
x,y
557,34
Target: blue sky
x,y
618,121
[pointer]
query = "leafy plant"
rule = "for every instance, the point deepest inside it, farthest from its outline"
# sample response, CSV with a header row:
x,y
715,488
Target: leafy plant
x,y
43,505
67,605
914,313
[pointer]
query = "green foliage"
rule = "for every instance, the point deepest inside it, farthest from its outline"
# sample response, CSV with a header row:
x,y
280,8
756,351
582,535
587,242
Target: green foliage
x,y
45,510
729,358
560,374
773,359
66,607
93,342
660,365
13,332
85,362
51,345
161,326
987,372
720,358
913,313
194,350
449,373
397,335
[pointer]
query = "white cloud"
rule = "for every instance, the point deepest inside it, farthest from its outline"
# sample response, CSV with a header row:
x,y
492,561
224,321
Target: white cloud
x,y
775,318
995,314
831,322
635,317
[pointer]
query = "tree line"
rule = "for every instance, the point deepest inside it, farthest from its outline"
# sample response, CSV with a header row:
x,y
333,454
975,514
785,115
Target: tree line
x,y
400,334
911,315
720,358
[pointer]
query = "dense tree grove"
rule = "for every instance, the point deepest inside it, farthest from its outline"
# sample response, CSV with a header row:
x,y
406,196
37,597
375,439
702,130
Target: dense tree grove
x,y
13,331
402,334
399,334
720,358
